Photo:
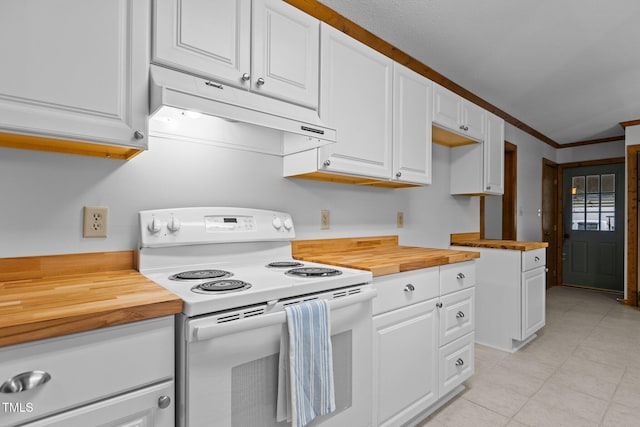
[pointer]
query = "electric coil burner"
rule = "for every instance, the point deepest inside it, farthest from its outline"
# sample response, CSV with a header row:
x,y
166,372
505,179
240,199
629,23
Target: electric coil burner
x,y
201,274
285,264
313,272
221,286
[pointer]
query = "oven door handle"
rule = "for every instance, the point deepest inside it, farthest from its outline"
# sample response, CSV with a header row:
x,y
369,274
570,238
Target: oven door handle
x,y
203,331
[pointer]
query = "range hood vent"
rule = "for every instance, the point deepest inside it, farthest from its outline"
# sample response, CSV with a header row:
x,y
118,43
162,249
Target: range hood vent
x,y
301,126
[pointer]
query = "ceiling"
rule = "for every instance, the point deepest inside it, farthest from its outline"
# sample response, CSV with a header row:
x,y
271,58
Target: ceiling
x,y
569,69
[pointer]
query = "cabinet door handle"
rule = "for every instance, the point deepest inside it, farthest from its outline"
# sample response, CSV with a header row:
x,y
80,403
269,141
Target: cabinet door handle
x,y
536,259
214,84
260,81
461,127
326,163
409,288
245,77
439,305
164,402
398,174
460,315
459,362
25,381
460,276
138,135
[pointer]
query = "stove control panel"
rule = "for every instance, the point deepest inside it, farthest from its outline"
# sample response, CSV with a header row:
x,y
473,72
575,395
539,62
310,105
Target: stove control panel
x,y
185,226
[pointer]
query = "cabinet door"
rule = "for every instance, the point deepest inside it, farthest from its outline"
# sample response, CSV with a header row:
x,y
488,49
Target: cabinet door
x,y
411,126
494,155
405,363
473,119
446,108
533,301
355,99
209,38
75,69
285,53
151,406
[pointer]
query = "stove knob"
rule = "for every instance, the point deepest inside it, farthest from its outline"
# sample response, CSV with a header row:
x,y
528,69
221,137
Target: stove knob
x,y
155,225
174,224
277,223
288,224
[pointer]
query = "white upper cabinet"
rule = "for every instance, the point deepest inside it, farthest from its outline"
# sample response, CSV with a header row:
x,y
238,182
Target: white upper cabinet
x,y
356,101
494,155
411,126
271,49
75,70
455,113
478,169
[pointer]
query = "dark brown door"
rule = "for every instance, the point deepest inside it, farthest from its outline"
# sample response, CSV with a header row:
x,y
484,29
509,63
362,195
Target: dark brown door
x,y
510,194
550,218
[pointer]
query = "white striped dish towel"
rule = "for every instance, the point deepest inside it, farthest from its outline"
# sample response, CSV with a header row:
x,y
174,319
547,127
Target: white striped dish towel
x,y
305,378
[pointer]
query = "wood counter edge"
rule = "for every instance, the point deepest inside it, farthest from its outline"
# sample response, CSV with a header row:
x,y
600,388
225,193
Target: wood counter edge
x,y
502,244
52,328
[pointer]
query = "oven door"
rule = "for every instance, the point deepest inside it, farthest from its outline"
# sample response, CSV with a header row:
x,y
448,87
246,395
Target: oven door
x,y
231,369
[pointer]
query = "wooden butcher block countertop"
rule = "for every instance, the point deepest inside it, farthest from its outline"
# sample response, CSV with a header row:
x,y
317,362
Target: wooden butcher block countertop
x,y
473,240
49,296
380,254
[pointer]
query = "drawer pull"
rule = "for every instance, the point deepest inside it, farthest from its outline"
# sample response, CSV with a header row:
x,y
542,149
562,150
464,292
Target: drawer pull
x,y
439,305
25,381
164,402
460,315
536,259
460,276
459,362
409,288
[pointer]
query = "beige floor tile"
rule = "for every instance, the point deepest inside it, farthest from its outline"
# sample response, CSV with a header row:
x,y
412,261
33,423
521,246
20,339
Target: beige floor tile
x,y
503,400
514,423
570,403
628,392
462,413
593,378
523,384
537,413
620,416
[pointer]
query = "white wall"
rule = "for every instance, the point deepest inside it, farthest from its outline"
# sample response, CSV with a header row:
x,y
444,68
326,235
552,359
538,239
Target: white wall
x,y
608,150
43,194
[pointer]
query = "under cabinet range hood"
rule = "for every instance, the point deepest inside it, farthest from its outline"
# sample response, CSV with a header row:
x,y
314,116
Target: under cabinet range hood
x,y
301,127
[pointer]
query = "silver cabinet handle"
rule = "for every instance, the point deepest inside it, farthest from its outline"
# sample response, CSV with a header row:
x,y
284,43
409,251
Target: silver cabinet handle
x,y
459,362
214,84
409,288
461,127
460,315
466,128
25,381
398,174
536,259
460,276
439,305
260,81
138,135
326,163
245,77
488,187
164,402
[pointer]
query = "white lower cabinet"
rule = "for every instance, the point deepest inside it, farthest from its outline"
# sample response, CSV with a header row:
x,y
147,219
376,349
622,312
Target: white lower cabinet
x,y
511,293
116,376
423,340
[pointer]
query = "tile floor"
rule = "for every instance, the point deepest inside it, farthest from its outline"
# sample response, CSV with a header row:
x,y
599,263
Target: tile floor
x,y
582,370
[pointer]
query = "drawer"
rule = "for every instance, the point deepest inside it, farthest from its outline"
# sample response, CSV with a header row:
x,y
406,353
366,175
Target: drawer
x,y
533,259
402,289
88,366
456,315
457,276
456,363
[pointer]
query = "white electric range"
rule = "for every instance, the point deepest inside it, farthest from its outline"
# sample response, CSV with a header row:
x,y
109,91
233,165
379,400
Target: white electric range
x,y
234,271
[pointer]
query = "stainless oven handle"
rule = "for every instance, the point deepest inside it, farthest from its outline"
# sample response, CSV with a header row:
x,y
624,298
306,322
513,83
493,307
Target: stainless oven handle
x,y
204,331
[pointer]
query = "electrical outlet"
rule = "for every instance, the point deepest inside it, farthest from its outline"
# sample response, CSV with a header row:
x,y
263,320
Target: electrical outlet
x,y
400,219
95,221
324,219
